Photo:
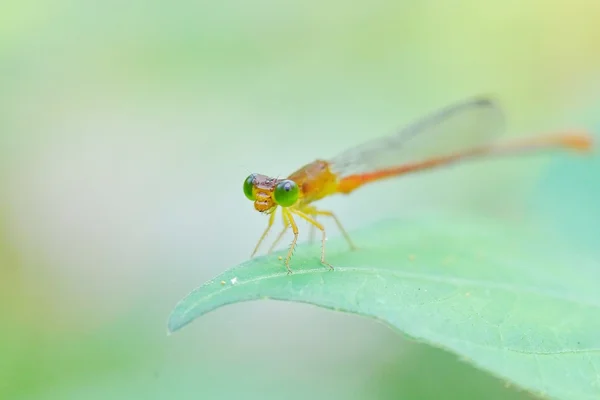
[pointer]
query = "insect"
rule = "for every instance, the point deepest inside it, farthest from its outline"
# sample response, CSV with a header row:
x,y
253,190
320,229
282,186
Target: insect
x,y
456,133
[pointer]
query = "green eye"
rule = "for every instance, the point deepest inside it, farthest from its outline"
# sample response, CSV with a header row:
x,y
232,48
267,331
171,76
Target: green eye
x,y
249,187
286,193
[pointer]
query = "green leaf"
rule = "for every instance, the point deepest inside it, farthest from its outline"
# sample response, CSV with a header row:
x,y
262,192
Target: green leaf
x,y
502,298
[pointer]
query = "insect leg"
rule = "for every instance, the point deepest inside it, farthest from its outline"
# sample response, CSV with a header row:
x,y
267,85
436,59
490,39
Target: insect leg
x,y
286,225
311,237
270,224
312,221
314,212
293,245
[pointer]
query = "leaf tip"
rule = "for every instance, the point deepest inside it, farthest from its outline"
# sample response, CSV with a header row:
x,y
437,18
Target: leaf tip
x,y
170,328
175,323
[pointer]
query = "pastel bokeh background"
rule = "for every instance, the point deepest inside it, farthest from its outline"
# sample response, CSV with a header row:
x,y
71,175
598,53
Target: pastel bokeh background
x,y
127,129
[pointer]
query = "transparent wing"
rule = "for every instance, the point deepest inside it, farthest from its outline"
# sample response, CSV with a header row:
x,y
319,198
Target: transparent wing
x,y
453,129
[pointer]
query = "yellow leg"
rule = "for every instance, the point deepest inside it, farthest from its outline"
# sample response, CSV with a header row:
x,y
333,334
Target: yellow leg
x,y
293,245
314,212
286,225
311,220
311,238
270,224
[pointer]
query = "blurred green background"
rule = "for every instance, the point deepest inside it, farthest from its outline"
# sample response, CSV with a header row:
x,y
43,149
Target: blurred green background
x,y
127,129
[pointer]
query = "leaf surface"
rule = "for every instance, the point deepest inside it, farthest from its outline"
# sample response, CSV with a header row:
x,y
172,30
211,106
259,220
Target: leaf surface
x,y
502,298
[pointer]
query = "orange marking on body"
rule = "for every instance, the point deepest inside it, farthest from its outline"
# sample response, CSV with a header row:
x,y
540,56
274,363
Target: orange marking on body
x,y
353,182
576,141
582,141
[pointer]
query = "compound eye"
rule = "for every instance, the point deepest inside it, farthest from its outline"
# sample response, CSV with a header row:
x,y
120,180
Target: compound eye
x,y
286,193
249,187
